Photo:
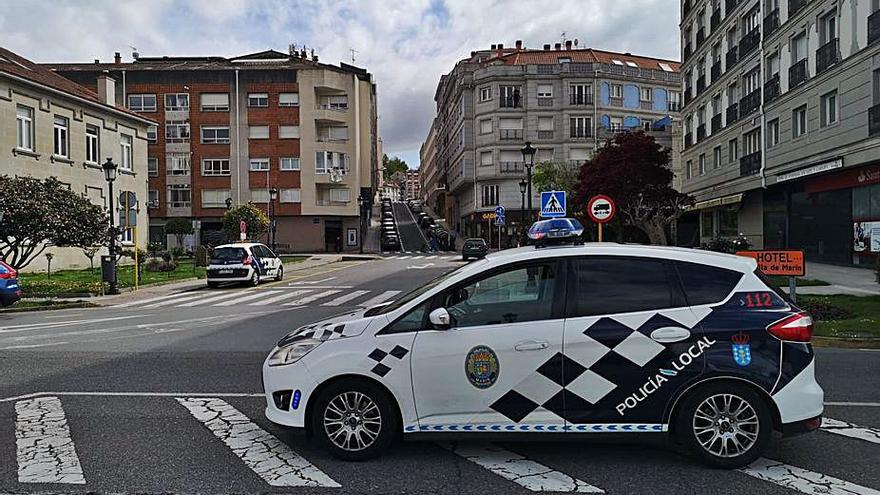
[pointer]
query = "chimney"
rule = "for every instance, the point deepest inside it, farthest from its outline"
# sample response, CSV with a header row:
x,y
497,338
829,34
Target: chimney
x,y
546,46
519,44
107,89
97,61
501,46
473,53
117,58
568,44
493,47
558,46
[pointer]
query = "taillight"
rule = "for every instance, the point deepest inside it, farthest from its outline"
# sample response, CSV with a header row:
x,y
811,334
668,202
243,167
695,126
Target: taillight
x,y
247,261
795,328
8,273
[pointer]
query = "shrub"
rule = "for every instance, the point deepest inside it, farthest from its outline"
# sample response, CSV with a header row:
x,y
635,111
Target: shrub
x,y
823,310
727,244
31,288
166,256
160,265
154,249
177,252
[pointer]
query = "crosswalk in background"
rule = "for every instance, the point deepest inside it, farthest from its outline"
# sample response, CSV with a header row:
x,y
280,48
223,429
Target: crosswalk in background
x,y
46,453
291,296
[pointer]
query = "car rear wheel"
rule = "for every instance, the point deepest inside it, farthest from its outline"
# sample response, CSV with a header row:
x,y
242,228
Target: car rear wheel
x,y
725,425
354,420
280,275
255,279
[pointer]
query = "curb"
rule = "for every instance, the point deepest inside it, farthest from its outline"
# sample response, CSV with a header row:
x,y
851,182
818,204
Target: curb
x,y
69,305
846,342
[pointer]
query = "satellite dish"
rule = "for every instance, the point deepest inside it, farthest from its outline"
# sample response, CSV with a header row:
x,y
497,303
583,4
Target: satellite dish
x,y
575,42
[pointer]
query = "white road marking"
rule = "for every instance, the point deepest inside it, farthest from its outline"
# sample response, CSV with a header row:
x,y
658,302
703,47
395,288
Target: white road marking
x,y
802,480
524,472
345,298
388,294
288,295
169,302
44,448
54,324
263,453
218,297
147,301
316,281
851,430
312,298
854,404
130,394
419,267
430,257
251,297
317,287
402,257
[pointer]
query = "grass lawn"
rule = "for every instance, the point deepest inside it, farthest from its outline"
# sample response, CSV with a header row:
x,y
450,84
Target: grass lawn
x,y
801,282
33,304
862,320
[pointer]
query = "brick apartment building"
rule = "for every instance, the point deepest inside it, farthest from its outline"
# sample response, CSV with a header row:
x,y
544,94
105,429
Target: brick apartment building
x,y
233,129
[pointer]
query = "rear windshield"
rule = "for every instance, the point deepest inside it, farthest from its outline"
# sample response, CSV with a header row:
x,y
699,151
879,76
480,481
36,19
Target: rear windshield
x,y
228,254
475,243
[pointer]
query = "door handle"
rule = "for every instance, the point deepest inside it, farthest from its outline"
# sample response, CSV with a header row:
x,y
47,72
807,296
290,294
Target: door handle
x,y
669,335
531,345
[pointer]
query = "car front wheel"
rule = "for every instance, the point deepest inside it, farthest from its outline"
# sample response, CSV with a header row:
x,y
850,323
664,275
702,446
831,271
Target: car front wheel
x,y
354,420
279,276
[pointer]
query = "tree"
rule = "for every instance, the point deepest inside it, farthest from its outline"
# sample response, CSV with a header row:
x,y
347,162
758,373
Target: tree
x,y
90,252
393,165
179,227
634,171
257,221
40,212
555,176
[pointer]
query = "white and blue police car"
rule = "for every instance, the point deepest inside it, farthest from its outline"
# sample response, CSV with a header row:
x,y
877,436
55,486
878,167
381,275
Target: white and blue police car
x,y
587,340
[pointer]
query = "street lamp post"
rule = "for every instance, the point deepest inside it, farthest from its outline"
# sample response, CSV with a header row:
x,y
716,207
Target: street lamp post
x,y
110,176
528,154
522,204
361,205
273,195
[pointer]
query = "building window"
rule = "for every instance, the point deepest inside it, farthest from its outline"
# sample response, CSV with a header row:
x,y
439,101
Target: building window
x,y
125,142
24,119
289,163
177,163
688,167
616,91
258,99
177,102
152,134
772,133
215,102
486,126
545,91
707,223
325,161
179,196
215,135
752,142
142,102
260,196
490,195
580,94
799,121
290,196
215,198
258,132
485,158
829,108
288,99
728,221
772,64
702,164
61,133
799,47
647,94
177,131
828,27
153,166
153,198
510,96
716,157
751,81
215,166
126,235
340,195
93,144
581,127
336,102
674,101
485,93
288,132
733,150
259,164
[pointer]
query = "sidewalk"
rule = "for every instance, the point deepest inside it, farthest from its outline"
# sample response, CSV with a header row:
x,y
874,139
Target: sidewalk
x,y
459,241
843,280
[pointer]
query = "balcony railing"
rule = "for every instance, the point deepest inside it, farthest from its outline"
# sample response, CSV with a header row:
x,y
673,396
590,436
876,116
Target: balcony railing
x,y
827,55
732,57
771,89
545,134
874,120
510,134
674,106
510,102
701,36
750,164
716,123
749,103
729,5
701,84
510,167
715,20
688,51
701,132
771,22
732,113
715,72
688,140
797,74
576,99
646,105
336,107
874,27
688,95
580,133
794,6
616,101
749,42
544,101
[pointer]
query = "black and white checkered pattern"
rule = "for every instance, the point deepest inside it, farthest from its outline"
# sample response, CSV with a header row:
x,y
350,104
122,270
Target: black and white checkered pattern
x,y
327,331
379,356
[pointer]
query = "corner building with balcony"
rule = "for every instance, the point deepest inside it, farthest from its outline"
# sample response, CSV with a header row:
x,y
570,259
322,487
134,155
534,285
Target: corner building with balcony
x,y
232,129
781,125
565,100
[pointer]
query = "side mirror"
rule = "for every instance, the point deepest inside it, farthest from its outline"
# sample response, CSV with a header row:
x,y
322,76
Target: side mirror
x,y
440,319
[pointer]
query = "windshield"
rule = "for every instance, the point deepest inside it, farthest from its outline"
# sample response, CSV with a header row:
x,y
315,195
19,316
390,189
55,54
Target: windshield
x,y
399,303
228,254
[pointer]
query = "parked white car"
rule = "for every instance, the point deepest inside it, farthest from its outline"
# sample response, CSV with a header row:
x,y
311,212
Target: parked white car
x,y
243,262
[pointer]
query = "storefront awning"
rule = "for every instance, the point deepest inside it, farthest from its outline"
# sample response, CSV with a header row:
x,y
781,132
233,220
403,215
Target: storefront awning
x,y
712,203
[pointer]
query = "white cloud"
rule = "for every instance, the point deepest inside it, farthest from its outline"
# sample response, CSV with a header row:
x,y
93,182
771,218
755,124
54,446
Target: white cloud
x,y
406,44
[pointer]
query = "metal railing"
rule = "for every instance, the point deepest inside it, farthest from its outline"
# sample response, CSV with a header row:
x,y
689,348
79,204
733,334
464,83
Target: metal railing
x,y
510,102
688,51
797,74
732,113
545,134
874,120
511,168
701,132
732,57
701,84
771,22
508,134
545,101
874,27
715,71
729,5
646,105
772,89
716,123
701,36
749,103
335,107
688,140
827,55
715,20
615,101
794,6
580,99
749,42
750,164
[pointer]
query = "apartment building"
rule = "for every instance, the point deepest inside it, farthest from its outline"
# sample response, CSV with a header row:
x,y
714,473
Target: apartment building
x,y
781,136
412,187
565,100
433,191
51,127
232,130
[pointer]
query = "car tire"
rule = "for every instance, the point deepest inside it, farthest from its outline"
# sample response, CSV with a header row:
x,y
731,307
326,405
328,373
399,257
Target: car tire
x,y
279,275
705,416
213,285
464,258
255,279
363,440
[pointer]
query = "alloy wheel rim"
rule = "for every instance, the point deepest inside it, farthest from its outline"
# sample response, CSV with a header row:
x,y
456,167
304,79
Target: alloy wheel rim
x,y
726,425
352,421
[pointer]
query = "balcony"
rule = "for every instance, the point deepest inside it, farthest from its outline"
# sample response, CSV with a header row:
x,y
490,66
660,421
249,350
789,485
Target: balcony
x,y
616,101
510,101
729,6
771,22
732,113
794,6
646,105
580,99
797,74
701,36
749,42
715,20
772,89
874,27
688,95
750,164
544,101
827,55
874,120
732,57
716,123
545,134
716,72
701,84
701,132
688,140
510,134
749,103
510,168
688,51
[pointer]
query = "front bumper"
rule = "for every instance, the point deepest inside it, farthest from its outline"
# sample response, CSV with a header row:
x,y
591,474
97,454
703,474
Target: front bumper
x,y
277,382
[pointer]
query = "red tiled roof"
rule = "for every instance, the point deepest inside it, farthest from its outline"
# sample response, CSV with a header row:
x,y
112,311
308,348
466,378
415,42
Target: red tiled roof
x,y
18,66
586,55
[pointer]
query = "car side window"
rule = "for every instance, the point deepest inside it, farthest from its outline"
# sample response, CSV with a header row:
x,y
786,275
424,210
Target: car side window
x,y
268,252
523,293
412,321
704,284
607,285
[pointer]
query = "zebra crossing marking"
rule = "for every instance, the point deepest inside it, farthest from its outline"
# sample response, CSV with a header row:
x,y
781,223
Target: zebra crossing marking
x,y
219,297
345,298
251,297
803,480
312,298
282,297
44,448
388,294
176,301
261,451
851,430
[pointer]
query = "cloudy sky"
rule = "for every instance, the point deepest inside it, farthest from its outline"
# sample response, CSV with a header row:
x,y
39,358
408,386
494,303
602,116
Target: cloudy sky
x,y
406,44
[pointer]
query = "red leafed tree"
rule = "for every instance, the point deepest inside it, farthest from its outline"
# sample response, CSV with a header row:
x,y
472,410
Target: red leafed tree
x,y
635,172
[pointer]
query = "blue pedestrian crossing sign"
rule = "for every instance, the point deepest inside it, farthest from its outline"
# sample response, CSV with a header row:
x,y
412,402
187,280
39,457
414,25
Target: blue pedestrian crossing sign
x,y
499,215
552,204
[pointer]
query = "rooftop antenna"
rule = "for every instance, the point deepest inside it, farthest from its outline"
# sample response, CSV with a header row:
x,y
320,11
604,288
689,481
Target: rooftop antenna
x,y
291,49
575,42
353,53
134,52
563,37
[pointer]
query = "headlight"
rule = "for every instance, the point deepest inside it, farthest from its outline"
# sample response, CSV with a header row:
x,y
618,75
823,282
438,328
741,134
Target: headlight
x,y
292,353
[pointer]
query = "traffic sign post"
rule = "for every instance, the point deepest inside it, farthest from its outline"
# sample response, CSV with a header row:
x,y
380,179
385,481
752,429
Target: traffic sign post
x,y
788,263
601,209
553,204
128,220
500,220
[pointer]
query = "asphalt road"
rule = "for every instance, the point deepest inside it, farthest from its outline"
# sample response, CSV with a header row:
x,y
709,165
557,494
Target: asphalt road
x,y
163,396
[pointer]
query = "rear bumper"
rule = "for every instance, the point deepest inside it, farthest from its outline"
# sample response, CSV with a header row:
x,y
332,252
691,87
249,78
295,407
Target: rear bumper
x,y
802,398
801,427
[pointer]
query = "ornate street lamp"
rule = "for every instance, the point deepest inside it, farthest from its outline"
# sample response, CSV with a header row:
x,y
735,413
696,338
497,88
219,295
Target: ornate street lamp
x,y
228,203
528,154
110,175
273,195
